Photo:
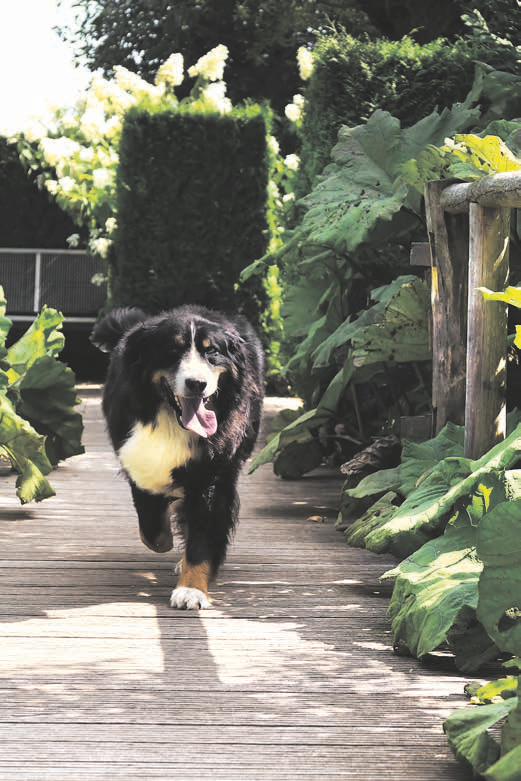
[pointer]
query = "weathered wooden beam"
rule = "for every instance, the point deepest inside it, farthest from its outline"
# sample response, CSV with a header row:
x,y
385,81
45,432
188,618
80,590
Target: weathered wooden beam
x,y
448,237
485,414
496,190
421,254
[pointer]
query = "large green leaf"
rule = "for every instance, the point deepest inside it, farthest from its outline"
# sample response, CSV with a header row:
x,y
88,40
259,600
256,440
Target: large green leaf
x,y
417,462
427,509
499,546
43,337
5,323
26,452
47,401
402,335
356,329
363,191
361,186
468,732
468,736
436,594
506,768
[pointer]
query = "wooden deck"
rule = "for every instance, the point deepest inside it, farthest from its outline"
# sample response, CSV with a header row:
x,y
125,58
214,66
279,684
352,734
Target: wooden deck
x,y
290,675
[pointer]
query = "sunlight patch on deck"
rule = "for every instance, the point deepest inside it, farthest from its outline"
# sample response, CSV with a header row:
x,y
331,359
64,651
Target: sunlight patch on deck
x,y
105,638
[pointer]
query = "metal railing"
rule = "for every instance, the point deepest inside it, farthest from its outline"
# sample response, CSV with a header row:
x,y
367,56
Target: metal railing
x,y
62,279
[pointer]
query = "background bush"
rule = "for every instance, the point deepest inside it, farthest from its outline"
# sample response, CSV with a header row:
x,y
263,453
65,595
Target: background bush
x,y
191,200
352,78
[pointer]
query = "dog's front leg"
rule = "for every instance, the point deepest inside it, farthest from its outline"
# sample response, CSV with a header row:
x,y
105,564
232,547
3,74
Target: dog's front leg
x,y
191,592
207,517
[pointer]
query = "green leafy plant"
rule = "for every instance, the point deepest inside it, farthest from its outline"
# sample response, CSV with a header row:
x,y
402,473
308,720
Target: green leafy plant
x,y
359,219
468,730
38,424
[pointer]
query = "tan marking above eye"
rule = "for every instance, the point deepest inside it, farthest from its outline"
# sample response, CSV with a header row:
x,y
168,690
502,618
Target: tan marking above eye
x,y
179,340
157,375
206,343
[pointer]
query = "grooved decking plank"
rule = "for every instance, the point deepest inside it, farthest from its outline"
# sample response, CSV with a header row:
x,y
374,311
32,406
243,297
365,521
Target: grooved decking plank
x,y
290,674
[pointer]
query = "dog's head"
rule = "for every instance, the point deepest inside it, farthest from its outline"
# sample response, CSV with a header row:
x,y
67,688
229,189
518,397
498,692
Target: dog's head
x,y
184,361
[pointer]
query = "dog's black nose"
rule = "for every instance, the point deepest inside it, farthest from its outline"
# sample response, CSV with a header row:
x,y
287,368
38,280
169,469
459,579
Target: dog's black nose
x,y
196,387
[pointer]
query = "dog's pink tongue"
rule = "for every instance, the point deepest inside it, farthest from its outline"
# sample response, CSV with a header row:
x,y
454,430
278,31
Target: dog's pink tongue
x,y
197,418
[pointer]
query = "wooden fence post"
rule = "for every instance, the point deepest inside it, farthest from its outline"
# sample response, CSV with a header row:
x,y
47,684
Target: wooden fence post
x,y
449,240
485,413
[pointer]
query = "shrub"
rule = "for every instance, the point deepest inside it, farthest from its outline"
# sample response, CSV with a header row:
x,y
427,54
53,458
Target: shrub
x,y
191,202
352,78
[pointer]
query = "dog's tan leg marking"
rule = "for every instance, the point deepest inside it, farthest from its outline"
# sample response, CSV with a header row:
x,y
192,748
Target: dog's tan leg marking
x,y
191,592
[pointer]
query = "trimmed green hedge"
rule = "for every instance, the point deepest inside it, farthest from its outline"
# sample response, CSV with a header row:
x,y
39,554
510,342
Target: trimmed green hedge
x,y
192,193
352,78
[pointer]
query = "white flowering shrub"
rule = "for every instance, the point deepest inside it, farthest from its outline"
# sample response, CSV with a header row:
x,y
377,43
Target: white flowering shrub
x,y
75,150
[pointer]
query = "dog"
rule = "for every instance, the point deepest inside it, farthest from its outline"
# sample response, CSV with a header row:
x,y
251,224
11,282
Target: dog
x,y
183,402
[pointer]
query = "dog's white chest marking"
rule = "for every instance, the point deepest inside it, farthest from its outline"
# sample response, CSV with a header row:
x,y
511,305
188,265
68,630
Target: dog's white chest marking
x,y
153,450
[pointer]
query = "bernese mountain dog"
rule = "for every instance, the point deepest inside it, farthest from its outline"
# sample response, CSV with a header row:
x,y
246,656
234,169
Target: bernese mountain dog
x,y
183,402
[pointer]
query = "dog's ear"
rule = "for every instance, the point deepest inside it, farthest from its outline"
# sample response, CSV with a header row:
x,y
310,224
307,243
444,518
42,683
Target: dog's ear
x,y
140,345
109,331
233,342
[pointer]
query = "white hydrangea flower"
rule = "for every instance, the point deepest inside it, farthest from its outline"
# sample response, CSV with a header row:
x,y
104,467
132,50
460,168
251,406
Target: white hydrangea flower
x,y
292,162
58,149
273,145
113,126
273,190
305,63
215,94
171,72
102,177
211,66
294,111
92,123
136,86
100,246
34,131
66,184
111,225
51,186
86,154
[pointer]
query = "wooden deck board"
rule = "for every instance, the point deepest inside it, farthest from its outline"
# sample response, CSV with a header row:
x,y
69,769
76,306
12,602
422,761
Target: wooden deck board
x,y
290,674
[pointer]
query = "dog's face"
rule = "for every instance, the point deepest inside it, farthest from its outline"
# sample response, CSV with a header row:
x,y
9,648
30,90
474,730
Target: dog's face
x,y
184,361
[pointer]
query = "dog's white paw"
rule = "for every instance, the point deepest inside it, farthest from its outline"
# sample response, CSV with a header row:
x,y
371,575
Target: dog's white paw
x,y
189,599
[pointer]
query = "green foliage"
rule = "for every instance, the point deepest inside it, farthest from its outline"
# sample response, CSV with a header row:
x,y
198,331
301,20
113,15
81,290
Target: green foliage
x,y
460,590
469,730
499,548
332,265
400,307
262,37
352,78
192,207
38,424
459,587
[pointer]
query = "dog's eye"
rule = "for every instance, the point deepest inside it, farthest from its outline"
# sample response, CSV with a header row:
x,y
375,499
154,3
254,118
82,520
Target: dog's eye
x,y
211,351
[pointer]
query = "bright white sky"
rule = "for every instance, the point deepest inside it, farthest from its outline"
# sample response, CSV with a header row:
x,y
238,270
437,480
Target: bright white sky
x,y
35,65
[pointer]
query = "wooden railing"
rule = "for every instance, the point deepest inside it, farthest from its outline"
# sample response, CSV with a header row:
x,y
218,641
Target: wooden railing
x,y
469,235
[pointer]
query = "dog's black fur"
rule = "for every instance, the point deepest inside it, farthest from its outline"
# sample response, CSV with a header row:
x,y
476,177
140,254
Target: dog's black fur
x,y
181,451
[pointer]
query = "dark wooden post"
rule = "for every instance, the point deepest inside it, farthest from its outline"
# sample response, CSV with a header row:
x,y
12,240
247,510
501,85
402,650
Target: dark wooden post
x,y
449,240
485,415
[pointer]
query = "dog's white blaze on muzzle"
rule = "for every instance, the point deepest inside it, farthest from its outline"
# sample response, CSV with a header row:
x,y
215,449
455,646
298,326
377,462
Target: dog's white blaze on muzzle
x,y
193,368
